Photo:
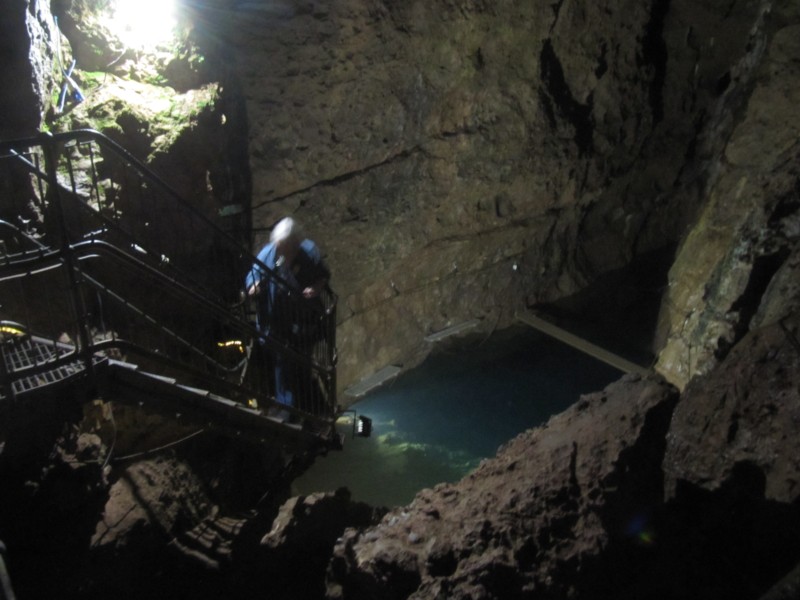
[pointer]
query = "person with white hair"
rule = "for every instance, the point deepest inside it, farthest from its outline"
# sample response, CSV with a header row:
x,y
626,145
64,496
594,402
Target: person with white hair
x,y
286,303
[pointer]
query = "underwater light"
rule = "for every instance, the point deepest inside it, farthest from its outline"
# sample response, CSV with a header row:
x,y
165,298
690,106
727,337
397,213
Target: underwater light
x,y
142,24
364,426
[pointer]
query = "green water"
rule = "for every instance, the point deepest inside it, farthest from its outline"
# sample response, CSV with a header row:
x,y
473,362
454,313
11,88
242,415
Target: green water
x,y
436,422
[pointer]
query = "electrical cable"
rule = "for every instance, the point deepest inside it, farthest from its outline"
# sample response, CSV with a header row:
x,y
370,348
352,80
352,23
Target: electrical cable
x,y
159,448
129,456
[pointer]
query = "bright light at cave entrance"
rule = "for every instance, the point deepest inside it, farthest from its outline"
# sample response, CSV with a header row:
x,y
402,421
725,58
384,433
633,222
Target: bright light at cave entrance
x,y
143,24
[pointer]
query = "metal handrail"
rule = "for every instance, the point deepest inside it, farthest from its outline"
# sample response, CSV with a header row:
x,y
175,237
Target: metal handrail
x,y
51,140
77,246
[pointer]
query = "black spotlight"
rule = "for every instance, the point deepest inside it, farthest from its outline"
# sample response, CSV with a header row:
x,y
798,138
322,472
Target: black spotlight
x,y
364,427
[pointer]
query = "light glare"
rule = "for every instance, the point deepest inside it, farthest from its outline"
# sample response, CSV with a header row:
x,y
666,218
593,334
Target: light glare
x,y
143,24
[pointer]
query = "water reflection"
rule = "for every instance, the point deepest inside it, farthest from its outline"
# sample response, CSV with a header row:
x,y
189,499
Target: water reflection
x,y
436,422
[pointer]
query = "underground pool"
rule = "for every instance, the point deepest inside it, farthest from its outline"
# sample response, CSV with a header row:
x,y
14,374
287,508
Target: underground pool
x,y
436,422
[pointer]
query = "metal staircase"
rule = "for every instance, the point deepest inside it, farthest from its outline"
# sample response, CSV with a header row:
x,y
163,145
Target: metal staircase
x,y
108,278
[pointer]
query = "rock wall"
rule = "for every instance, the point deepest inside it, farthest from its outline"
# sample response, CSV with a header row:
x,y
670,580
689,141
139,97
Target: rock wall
x,y
175,106
465,159
738,266
29,64
119,502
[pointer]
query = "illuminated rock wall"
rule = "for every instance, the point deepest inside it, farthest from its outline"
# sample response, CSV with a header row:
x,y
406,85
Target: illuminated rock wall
x,y
739,266
467,159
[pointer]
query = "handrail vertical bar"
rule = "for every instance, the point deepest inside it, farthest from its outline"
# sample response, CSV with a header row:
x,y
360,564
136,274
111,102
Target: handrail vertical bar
x,y
57,211
7,388
6,591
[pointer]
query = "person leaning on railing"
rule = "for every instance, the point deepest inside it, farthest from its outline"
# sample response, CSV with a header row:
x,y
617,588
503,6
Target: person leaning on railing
x,y
284,310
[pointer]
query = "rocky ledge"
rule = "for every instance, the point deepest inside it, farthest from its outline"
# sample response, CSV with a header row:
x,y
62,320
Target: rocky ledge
x,y
633,492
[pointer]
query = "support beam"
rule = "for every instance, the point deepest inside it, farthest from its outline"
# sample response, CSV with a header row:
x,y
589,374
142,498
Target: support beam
x,y
580,344
450,331
373,381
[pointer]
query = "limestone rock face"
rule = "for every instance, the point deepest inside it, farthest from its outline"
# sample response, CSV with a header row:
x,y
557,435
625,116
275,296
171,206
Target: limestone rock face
x,y
467,159
745,412
738,266
175,105
150,499
293,554
94,46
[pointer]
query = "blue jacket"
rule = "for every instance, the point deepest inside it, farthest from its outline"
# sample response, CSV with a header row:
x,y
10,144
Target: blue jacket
x,y
306,270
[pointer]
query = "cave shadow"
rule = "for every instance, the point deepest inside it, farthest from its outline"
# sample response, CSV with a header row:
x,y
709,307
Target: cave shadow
x,y
50,500
731,543
619,310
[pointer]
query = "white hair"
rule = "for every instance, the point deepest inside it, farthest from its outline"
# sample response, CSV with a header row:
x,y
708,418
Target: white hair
x,y
285,229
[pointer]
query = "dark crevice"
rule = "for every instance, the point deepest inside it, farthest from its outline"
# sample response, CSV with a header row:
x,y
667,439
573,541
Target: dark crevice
x,y
629,513
733,428
786,206
573,469
602,62
764,269
619,309
559,98
690,168
654,55
723,82
477,60
549,110
556,11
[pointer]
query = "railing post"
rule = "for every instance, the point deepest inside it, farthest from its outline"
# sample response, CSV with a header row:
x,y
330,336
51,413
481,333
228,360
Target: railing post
x,y
56,212
6,591
6,385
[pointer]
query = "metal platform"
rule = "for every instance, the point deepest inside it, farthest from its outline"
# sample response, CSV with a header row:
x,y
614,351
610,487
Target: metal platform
x,y
42,356
126,382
